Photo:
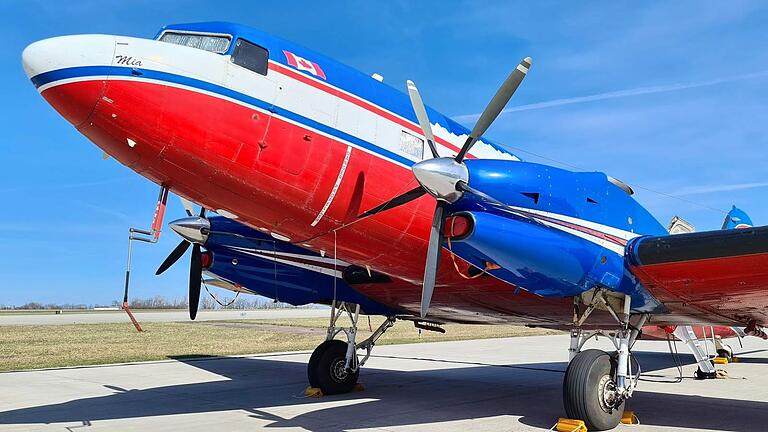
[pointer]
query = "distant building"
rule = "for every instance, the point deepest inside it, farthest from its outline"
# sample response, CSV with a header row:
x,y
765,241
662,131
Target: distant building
x,y
679,225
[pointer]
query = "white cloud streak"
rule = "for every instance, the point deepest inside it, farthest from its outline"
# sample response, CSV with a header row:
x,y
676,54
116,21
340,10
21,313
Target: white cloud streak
x,y
700,190
639,91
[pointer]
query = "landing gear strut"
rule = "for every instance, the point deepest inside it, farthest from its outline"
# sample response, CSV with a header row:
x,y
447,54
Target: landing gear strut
x,y
597,384
334,365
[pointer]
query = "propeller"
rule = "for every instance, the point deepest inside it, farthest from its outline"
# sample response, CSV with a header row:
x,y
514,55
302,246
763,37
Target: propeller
x,y
447,179
188,207
421,115
499,101
192,230
433,256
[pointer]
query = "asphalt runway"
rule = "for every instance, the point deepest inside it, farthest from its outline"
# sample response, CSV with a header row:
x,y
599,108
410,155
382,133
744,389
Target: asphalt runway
x,y
154,316
482,385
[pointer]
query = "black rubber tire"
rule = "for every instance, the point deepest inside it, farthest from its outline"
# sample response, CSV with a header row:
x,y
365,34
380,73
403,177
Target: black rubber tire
x,y
330,374
312,365
581,393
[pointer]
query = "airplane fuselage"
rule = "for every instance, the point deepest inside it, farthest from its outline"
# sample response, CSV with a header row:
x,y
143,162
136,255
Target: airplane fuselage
x,y
300,145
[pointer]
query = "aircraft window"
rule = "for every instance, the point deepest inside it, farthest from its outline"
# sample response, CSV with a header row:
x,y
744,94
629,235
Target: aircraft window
x,y
250,56
412,145
212,43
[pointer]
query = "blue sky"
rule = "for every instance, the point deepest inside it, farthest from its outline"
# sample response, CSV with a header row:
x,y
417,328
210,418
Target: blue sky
x,y
671,97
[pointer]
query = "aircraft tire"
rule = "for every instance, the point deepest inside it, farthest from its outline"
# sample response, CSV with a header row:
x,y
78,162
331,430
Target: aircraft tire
x,y
312,364
587,390
331,376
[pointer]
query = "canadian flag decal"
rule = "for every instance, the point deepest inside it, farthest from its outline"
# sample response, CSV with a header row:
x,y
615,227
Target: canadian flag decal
x,y
303,64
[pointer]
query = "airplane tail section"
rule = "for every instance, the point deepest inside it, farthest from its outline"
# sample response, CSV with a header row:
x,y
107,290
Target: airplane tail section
x,y
737,218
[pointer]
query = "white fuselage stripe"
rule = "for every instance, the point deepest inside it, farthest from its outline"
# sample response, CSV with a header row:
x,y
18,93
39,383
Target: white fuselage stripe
x,y
335,189
626,235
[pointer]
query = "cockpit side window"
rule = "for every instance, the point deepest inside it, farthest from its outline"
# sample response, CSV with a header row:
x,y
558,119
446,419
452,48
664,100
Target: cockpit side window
x,y
250,56
209,42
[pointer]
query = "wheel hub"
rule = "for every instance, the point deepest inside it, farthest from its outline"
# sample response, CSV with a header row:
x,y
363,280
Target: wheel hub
x,y
607,394
339,370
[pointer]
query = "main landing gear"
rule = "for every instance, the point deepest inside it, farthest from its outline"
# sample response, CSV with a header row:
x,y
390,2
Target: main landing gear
x,y
597,384
334,365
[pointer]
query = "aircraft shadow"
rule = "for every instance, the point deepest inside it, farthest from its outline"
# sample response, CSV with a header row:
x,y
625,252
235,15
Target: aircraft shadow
x,y
392,398
741,356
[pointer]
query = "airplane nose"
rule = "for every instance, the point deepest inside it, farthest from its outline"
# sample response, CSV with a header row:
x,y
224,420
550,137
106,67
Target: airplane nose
x,y
70,72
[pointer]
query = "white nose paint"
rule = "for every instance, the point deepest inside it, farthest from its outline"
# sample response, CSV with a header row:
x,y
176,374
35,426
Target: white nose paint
x,y
67,52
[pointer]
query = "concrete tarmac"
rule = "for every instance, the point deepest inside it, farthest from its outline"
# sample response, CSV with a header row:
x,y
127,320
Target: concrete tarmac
x,y
97,317
482,385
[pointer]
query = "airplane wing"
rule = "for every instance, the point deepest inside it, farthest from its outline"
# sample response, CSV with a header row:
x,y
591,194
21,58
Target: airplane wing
x,y
717,277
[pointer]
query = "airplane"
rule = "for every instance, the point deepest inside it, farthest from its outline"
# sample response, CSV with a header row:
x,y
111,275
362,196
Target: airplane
x,y
333,187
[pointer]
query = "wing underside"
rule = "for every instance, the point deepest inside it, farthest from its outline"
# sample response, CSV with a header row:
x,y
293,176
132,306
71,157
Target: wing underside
x,y
716,277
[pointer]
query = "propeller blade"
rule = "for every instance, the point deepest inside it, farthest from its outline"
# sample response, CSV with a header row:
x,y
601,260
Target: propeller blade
x,y
499,101
421,114
187,206
395,202
195,280
461,186
202,212
174,256
433,257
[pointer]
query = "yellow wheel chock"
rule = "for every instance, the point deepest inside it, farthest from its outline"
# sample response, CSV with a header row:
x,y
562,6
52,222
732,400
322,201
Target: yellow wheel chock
x,y
316,392
570,425
629,418
720,360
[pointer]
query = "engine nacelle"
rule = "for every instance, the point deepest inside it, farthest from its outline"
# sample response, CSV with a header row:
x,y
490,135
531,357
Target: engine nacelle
x,y
542,259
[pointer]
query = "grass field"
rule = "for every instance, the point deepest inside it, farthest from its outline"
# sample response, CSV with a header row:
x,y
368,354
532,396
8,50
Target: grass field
x,y
32,347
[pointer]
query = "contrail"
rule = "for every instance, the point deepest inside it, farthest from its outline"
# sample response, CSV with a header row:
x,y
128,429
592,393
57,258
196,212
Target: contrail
x,y
717,188
618,94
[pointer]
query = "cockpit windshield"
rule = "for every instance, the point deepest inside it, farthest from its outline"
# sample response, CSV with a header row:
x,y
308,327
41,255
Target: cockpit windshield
x,y
208,42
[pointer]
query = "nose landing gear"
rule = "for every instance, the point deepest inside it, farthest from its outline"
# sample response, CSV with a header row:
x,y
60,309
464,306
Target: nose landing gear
x,y
334,366
327,371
